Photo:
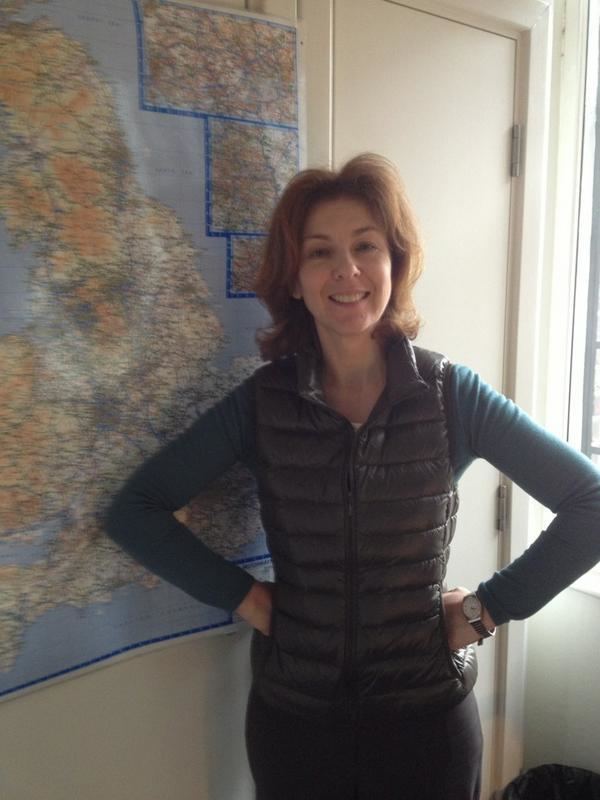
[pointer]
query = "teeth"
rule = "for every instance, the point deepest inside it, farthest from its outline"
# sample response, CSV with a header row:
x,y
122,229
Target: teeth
x,y
348,298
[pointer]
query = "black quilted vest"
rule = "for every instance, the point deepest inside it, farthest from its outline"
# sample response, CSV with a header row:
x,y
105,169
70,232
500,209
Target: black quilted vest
x,y
358,524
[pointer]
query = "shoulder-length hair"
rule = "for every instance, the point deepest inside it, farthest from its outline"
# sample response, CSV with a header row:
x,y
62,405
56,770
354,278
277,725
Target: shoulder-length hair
x,y
374,181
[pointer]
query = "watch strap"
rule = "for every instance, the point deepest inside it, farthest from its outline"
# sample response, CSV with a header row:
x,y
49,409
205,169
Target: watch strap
x,y
483,632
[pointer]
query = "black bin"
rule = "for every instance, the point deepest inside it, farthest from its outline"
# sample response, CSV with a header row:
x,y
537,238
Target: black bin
x,y
554,782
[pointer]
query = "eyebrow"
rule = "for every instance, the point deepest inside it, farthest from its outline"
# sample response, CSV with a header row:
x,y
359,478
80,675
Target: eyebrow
x,y
356,232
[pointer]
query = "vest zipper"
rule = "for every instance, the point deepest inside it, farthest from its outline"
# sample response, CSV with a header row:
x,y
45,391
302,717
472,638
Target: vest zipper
x,y
351,545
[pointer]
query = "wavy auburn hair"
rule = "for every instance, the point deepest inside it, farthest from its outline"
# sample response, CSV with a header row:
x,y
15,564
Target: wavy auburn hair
x,y
372,180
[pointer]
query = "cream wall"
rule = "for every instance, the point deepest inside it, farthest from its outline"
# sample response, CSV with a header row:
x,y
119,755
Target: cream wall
x,y
166,725
562,700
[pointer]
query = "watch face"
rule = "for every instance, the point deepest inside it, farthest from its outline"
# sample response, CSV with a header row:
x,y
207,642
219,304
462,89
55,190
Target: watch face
x,y
472,607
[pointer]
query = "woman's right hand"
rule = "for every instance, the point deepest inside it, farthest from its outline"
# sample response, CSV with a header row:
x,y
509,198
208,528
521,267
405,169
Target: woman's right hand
x,y
256,607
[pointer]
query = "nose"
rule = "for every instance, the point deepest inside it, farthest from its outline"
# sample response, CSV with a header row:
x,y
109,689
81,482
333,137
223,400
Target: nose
x,y
345,266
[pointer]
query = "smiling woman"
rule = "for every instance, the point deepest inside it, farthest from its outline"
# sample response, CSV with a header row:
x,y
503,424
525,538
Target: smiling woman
x,y
345,271
362,662
300,234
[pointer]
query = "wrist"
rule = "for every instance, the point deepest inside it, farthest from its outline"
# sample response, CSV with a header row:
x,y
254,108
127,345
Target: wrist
x,y
255,608
486,618
477,616
250,600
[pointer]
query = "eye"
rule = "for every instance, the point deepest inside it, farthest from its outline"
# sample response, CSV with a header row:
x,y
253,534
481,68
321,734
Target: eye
x,y
365,247
318,252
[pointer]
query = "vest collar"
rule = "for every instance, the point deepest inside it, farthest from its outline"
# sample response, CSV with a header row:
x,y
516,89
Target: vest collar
x,y
403,378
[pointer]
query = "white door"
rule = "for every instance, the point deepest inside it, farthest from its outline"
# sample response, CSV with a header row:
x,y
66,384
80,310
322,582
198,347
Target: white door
x,y
436,96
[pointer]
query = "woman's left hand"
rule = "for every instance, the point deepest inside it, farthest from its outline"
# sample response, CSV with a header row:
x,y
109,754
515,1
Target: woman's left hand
x,y
459,630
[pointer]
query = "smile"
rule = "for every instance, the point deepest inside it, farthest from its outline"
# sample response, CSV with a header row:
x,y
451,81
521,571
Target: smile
x,y
348,298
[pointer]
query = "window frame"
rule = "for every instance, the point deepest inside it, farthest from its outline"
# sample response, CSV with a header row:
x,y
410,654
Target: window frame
x,y
592,344
585,355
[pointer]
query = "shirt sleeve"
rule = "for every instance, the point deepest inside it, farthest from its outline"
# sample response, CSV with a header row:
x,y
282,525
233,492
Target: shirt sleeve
x,y
485,424
141,519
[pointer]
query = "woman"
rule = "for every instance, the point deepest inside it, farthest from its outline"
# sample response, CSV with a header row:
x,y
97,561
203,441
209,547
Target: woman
x,y
362,674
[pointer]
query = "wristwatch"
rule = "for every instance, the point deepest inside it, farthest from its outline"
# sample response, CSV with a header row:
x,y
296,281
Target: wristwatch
x,y
473,609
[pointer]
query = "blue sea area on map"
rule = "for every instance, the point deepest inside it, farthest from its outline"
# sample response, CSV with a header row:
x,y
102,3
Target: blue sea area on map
x,y
15,550
15,266
78,637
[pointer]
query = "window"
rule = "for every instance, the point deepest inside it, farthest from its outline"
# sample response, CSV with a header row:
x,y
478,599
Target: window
x,y
590,428
585,377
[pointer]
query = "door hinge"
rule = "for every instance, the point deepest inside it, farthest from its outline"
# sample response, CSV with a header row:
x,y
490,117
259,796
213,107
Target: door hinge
x,y
502,508
515,151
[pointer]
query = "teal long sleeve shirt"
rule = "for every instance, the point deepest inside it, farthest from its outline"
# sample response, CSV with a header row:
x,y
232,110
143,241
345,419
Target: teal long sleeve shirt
x,y
482,424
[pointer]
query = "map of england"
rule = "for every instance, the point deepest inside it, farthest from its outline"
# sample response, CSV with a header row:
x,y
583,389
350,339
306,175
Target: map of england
x,y
142,147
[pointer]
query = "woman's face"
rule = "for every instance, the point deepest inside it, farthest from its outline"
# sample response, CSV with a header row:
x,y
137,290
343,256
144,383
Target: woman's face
x,y
345,273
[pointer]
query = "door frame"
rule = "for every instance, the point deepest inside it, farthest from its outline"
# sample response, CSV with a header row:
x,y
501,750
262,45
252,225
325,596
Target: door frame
x,y
531,24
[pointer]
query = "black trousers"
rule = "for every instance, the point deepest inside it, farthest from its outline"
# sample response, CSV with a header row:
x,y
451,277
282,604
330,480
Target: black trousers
x,y
437,757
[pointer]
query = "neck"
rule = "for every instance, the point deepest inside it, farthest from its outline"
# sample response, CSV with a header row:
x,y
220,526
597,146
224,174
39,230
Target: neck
x,y
353,364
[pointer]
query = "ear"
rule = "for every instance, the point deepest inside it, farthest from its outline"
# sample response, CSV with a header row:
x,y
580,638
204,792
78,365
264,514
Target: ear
x,y
297,294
